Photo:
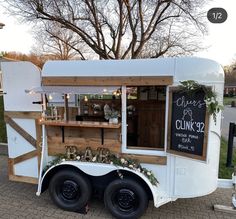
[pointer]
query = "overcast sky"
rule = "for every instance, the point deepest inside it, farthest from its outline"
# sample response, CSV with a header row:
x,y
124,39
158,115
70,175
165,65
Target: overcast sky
x,y
222,37
221,41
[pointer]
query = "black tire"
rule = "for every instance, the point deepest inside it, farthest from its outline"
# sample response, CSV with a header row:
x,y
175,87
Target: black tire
x,y
126,199
70,190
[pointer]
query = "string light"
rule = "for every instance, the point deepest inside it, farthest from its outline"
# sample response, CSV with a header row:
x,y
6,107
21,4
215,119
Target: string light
x,y
117,92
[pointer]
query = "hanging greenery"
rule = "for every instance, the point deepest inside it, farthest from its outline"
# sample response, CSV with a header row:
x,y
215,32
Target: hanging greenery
x,y
108,158
191,87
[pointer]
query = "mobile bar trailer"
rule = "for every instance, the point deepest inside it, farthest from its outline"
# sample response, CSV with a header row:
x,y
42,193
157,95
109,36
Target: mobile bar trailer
x,y
128,131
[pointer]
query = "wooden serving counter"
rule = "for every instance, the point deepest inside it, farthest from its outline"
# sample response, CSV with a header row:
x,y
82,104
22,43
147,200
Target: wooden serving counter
x,y
83,124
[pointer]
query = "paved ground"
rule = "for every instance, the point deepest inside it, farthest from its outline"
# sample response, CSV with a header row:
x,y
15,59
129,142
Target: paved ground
x,y
3,149
18,200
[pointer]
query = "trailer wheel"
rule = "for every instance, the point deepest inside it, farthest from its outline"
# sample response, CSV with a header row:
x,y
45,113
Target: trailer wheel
x,y
125,198
70,190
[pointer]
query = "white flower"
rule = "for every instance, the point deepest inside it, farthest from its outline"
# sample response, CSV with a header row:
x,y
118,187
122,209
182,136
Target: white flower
x,y
126,162
94,159
78,158
122,160
131,166
149,173
213,100
63,159
139,170
111,162
208,101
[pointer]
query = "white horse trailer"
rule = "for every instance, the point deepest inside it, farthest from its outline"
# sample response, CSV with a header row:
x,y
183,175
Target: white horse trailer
x,y
159,144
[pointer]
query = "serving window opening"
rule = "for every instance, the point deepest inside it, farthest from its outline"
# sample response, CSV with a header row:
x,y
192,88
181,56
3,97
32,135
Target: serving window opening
x,y
88,117
85,104
146,117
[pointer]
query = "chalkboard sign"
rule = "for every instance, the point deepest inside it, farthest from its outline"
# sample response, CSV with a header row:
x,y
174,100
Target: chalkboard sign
x,y
188,124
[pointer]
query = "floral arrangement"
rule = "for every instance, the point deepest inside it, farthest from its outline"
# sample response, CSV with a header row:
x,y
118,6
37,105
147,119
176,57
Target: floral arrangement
x,y
110,159
191,87
110,113
134,165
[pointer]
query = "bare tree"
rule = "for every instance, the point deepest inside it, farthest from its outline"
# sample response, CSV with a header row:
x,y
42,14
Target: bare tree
x,y
230,73
58,43
119,29
34,58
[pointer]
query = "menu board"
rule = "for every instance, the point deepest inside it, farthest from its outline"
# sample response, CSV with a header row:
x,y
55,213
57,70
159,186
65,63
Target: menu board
x,y
188,124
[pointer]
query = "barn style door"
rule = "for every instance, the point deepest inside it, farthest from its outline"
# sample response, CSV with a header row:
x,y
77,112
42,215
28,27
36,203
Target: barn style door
x,y
21,116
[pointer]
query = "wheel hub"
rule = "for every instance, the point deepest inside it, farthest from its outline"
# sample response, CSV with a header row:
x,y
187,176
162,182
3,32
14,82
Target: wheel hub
x,y
126,199
70,189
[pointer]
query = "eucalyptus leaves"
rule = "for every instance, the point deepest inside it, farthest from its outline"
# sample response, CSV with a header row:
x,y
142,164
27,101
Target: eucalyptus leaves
x,y
110,113
191,87
134,165
112,159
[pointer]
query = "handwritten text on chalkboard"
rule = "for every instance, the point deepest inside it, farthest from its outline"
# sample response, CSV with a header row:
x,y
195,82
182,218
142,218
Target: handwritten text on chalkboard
x,y
188,122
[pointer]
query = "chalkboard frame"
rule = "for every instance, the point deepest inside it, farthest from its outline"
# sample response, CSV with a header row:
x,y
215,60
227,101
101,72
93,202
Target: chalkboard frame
x,y
205,141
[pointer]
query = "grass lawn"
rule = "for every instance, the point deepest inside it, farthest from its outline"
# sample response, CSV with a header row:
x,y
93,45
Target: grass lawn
x,y
226,172
228,100
3,137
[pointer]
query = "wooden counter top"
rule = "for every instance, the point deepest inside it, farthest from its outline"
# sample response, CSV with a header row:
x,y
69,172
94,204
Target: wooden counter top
x,y
84,124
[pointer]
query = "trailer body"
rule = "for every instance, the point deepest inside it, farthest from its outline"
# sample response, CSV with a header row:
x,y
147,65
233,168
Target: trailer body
x,y
31,144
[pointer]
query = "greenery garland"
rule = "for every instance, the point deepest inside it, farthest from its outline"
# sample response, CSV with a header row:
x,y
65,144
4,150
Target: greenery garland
x,y
191,87
113,160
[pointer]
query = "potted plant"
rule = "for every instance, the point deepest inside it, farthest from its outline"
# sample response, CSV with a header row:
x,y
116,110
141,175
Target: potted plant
x,y
111,114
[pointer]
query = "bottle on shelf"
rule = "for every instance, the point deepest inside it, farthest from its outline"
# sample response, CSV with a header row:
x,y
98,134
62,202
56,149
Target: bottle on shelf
x,y
55,113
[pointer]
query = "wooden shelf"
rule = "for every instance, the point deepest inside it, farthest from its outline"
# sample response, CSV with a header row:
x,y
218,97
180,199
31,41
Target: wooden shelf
x,y
83,124
80,124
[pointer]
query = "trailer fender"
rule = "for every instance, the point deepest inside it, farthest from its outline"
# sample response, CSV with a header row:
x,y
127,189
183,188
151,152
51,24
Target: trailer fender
x,y
95,169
